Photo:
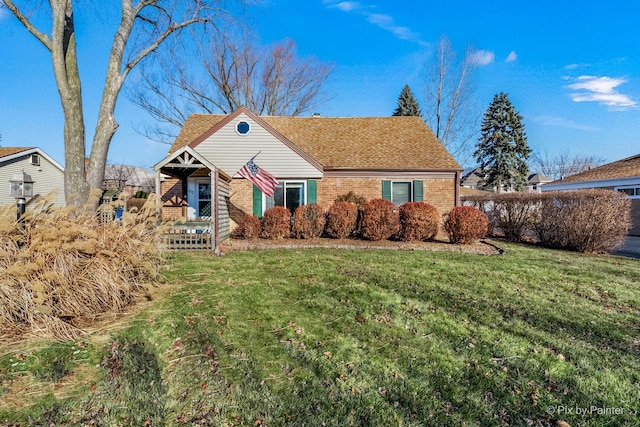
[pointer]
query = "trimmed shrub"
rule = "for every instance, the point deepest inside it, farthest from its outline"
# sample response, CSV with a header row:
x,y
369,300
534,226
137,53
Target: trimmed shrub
x,y
342,218
418,221
308,221
134,205
276,223
248,227
380,219
353,198
465,224
584,220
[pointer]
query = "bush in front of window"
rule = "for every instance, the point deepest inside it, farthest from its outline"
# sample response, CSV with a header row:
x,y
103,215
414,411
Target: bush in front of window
x,y
352,197
308,221
465,224
276,223
380,219
419,221
342,218
248,227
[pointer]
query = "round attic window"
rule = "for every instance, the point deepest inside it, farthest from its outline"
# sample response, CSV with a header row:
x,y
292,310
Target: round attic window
x,y
243,128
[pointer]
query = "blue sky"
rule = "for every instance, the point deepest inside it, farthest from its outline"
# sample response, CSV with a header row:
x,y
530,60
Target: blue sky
x,y
572,70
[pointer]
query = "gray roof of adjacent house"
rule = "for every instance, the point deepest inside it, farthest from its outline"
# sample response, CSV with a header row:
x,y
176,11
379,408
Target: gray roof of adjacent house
x,y
133,176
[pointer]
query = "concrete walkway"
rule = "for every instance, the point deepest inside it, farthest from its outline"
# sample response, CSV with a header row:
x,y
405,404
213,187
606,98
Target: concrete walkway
x,y
630,248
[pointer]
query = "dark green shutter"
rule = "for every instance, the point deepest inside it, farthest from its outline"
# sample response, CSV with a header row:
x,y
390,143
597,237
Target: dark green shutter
x,y
312,191
257,201
386,189
417,190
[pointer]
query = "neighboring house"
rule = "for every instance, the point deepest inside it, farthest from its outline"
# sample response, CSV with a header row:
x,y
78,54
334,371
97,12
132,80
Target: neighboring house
x,y
536,181
622,175
315,160
47,174
472,179
128,179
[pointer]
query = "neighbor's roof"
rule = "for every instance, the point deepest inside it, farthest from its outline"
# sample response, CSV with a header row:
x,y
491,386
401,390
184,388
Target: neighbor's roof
x,y
625,168
9,151
348,142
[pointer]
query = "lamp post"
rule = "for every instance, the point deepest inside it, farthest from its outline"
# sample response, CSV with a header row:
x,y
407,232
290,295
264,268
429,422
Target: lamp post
x,y
21,187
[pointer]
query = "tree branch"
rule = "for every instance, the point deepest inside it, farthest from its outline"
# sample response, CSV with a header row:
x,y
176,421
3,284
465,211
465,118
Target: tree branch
x,y
43,38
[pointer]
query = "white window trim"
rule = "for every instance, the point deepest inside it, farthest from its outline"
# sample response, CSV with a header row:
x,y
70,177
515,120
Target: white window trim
x,y
284,183
403,182
627,187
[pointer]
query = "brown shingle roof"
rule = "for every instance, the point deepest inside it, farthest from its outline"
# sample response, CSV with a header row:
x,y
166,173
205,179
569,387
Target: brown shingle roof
x,y
624,168
403,143
8,151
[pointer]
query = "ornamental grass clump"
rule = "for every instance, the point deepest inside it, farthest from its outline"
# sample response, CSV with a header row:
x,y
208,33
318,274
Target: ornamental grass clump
x,y
465,224
276,223
418,221
308,221
342,218
380,219
59,265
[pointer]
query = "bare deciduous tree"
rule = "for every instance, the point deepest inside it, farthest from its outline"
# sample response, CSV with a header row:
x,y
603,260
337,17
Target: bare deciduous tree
x,y
564,164
144,26
225,74
449,108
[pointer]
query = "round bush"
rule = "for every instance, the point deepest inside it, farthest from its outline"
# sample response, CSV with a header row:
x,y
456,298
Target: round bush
x,y
248,227
465,224
276,223
380,219
308,221
342,218
418,221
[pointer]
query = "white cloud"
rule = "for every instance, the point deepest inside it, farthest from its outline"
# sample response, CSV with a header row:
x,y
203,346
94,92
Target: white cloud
x,y
386,22
561,122
512,57
347,6
482,57
601,90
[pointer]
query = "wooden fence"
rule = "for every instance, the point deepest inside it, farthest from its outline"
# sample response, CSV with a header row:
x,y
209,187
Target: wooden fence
x,y
189,236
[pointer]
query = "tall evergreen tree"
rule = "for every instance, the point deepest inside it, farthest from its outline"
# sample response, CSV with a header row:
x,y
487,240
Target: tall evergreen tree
x,y
502,150
407,104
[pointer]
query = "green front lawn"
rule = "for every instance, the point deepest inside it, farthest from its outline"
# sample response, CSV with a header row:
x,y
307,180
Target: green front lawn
x,y
354,337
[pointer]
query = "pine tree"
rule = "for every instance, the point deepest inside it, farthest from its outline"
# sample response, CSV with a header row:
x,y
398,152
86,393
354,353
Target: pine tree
x,y
407,104
502,149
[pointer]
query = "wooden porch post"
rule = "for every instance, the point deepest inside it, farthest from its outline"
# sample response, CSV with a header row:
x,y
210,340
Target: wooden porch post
x,y
215,226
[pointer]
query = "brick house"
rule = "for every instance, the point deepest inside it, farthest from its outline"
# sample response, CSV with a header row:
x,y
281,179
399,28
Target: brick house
x,y
315,159
622,175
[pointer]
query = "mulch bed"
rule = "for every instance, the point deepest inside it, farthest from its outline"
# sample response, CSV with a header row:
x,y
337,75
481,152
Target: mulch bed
x,y
482,247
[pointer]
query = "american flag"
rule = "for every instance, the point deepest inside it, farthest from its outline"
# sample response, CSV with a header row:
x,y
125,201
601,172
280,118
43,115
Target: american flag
x,y
260,177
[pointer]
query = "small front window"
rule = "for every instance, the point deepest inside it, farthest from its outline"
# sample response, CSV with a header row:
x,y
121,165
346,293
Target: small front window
x,y
401,192
204,200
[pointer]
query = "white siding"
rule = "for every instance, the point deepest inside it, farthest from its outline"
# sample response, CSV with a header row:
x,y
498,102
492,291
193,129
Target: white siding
x,y
47,177
229,151
224,224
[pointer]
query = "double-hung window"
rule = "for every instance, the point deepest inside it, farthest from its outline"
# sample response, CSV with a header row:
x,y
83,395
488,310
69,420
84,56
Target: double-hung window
x,y
400,192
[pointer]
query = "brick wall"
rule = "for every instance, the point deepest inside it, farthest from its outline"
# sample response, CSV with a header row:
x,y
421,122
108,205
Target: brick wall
x,y
438,192
173,204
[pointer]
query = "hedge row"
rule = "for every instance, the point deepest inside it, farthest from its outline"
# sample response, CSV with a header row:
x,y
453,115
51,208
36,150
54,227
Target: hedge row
x,y
585,220
375,219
